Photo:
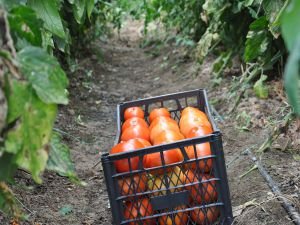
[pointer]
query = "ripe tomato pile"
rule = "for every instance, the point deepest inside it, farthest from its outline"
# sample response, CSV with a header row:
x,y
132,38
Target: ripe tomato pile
x,y
193,176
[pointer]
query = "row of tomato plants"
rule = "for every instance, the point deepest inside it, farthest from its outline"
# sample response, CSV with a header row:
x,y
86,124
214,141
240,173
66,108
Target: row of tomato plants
x,y
37,37
264,35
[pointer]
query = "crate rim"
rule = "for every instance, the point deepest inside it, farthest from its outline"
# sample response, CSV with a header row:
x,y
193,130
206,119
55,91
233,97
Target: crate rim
x,y
169,96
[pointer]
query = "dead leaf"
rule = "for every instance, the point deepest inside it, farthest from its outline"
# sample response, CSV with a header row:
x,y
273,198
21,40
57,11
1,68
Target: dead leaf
x,y
238,210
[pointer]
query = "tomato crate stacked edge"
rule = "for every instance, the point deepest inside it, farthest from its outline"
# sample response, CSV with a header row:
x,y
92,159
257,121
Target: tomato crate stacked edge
x,y
170,202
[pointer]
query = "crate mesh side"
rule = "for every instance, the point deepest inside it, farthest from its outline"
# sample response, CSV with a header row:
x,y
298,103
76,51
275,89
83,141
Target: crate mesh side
x,y
188,191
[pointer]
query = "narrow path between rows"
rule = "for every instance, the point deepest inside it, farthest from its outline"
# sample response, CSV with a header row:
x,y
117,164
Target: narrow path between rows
x,y
116,71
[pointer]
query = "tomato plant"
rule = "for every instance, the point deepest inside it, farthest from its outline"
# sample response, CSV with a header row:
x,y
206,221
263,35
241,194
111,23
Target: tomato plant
x,y
36,37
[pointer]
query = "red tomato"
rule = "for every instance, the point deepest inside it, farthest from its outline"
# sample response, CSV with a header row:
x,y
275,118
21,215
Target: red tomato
x,y
132,185
137,210
205,216
204,192
179,218
134,121
154,159
136,132
199,131
122,165
133,112
202,150
167,136
162,119
162,127
158,112
188,121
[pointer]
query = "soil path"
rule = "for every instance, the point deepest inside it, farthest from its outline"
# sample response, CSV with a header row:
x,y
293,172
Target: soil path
x,y
116,71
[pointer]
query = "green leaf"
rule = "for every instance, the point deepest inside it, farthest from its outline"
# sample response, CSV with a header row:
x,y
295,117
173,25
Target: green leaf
x,y
7,170
11,3
257,39
90,4
48,43
79,10
8,202
65,210
60,160
260,89
25,25
273,10
292,77
296,157
204,45
222,62
29,137
45,74
290,24
48,11
16,102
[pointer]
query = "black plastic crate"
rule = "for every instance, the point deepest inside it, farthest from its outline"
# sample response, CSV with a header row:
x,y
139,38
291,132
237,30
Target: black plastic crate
x,y
194,191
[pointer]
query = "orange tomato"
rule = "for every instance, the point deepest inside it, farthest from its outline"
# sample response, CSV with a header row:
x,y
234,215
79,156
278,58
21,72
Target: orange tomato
x,y
199,131
132,185
123,165
133,112
167,136
204,192
154,159
206,215
189,121
158,112
193,111
144,142
162,119
179,218
162,127
134,121
136,132
137,210
202,150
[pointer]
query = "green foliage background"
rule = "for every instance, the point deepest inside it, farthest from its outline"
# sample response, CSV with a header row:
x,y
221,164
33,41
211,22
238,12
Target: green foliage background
x,y
40,31
260,32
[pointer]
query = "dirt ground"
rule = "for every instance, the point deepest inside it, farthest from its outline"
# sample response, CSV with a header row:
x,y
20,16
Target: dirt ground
x,y
119,70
